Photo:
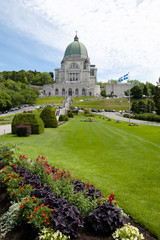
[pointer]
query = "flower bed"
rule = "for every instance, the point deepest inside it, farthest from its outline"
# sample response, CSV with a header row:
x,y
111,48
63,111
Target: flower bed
x,y
54,202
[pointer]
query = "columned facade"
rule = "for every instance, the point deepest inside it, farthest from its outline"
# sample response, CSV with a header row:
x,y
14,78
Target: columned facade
x,y
76,77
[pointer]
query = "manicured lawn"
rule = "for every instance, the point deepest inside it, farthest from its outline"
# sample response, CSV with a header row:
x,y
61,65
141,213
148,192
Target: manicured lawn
x,y
115,157
112,103
50,100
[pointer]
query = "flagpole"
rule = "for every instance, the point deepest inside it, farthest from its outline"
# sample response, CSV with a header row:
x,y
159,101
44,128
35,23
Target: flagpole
x,y
129,97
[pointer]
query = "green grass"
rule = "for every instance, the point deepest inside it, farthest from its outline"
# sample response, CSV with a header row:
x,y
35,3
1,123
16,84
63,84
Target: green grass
x,y
115,157
6,119
50,100
112,103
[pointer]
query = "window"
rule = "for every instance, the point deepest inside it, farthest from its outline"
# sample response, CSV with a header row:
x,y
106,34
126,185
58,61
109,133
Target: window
x,y
83,92
63,91
92,72
74,66
56,91
77,92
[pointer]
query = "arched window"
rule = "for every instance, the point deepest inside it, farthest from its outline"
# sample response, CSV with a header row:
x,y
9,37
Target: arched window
x,y
77,92
74,66
49,93
56,91
83,92
70,92
63,91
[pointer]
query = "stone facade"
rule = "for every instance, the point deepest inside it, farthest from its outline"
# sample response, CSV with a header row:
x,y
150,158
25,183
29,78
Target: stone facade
x,y
118,89
76,77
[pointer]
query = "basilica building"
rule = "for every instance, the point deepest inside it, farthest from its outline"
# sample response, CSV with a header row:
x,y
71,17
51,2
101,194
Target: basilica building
x,y
76,77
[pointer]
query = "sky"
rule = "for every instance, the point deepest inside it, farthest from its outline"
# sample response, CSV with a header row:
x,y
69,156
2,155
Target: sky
x,y
121,36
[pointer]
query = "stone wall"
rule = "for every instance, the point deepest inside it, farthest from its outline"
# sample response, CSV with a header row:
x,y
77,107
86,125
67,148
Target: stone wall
x,y
118,89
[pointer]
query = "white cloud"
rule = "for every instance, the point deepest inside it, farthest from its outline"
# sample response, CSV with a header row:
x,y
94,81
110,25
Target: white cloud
x,y
119,35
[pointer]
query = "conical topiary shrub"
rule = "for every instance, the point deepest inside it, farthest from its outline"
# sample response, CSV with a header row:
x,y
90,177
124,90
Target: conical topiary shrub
x,y
49,118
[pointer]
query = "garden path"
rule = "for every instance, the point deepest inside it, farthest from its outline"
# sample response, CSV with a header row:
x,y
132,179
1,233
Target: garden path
x,y
5,129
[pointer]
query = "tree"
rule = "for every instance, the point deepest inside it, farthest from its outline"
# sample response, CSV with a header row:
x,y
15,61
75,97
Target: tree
x,y
150,106
126,92
5,101
102,84
157,99
17,98
142,107
145,90
139,107
52,75
136,92
29,96
103,93
49,118
151,88
134,107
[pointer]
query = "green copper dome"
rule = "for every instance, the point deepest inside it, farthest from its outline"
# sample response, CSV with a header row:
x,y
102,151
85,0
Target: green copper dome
x,y
76,48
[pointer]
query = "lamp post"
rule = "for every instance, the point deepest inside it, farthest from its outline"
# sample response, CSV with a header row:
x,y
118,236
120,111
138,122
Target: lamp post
x,y
129,97
129,102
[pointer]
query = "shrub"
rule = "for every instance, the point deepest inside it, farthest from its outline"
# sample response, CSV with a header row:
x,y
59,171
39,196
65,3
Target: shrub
x,y
6,154
61,118
147,117
10,219
88,189
105,218
70,115
49,118
66,118
134,124
65,217
36,123
127,232
49,234
23,130
86,111
29,178
75,111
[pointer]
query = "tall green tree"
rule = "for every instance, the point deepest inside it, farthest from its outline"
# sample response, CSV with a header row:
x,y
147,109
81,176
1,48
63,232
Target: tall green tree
x,y
150,106
134,107
145,90
5,101
136,92
157,99
103,93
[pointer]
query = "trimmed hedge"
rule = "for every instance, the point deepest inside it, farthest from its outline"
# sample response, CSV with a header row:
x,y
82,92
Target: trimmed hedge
x,y
70,115
49,118
145,116
36,123
63,118
23,130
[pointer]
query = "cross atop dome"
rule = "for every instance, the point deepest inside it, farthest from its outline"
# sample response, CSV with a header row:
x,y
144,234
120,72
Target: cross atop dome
x,y
76,38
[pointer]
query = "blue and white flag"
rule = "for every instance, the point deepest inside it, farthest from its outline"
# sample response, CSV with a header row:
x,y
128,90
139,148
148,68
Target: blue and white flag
x,y
125,77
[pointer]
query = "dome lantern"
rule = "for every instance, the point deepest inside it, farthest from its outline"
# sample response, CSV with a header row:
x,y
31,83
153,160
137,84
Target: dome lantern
x,y
76,48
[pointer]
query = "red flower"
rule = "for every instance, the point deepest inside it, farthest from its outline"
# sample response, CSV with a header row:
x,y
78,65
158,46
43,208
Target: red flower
x,y
15,193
